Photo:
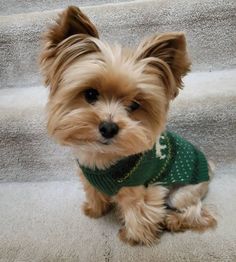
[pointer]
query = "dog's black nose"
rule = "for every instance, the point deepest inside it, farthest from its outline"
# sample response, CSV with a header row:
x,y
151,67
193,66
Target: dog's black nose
x,y
108,129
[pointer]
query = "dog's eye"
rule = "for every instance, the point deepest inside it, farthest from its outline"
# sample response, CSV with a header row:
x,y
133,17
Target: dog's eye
x,y
133,106
91,95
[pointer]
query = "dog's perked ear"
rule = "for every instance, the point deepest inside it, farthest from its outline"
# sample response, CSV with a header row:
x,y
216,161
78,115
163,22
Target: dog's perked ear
x,y
69,38
166,55
70,22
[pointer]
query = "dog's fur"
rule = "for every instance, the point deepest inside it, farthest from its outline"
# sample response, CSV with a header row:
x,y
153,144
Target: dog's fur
x,y
75,59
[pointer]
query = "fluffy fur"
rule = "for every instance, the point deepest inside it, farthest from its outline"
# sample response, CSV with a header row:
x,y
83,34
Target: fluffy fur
x,y
74,60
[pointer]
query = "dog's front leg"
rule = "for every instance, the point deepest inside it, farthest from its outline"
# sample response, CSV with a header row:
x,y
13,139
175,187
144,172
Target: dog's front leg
x,y
142,211
97,204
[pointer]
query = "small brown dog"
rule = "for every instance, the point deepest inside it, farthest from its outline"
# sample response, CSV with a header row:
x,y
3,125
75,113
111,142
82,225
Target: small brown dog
x,y
110,105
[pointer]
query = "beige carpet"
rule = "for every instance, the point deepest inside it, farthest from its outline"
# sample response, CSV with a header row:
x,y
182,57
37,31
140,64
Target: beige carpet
x,y
43,222
40,196
40,214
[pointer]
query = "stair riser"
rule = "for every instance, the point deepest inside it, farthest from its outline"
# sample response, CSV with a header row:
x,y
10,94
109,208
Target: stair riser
x,y
27,154
209,25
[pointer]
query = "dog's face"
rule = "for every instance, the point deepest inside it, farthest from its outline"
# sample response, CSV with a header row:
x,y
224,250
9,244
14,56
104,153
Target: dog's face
x,y
105,99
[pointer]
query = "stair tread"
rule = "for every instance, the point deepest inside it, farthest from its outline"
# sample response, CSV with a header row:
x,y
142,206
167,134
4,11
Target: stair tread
x,y
12,7
219,83
43,222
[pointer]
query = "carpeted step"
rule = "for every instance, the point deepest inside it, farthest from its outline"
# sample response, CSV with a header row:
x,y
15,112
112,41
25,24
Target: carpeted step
x,y
40,217
204,113
11,7
43,222
209,25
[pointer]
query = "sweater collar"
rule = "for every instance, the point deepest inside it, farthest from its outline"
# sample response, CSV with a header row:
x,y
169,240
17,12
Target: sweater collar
x,y
140,169
121,169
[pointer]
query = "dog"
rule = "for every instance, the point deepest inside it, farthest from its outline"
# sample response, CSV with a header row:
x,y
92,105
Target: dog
x,y
110,105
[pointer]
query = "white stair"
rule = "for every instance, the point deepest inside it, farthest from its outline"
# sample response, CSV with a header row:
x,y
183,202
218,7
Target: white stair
x,y
40,195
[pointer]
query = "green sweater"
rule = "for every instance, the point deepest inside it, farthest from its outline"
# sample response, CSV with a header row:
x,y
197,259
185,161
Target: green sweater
x,y
174,161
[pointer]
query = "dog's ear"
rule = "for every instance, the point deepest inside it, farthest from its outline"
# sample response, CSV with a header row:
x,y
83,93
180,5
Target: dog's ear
x,y
167,55
70,22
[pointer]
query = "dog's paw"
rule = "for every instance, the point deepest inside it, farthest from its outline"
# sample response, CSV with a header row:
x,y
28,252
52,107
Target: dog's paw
x,y
123,237
95,212
147,239
174,222
208,221
179,222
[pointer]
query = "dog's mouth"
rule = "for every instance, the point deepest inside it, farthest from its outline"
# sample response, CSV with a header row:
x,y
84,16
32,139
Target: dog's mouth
x,y
100,141
105,142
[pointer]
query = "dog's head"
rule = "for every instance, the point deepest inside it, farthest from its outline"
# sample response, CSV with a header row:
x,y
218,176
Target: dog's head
x,y
104,98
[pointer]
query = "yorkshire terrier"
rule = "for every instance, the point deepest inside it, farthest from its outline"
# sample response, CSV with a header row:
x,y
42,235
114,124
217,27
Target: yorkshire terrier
x,y
110,105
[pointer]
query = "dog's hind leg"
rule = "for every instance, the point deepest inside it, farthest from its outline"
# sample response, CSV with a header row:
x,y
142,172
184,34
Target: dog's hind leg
x,y
186,210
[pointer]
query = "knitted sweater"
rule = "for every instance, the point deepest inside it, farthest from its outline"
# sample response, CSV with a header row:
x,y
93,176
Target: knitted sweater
x,y
174,161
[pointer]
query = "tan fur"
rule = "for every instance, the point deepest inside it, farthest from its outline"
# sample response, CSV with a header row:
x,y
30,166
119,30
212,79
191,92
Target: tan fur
x,y
97,204
73,60
190,213
193,217
142,210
